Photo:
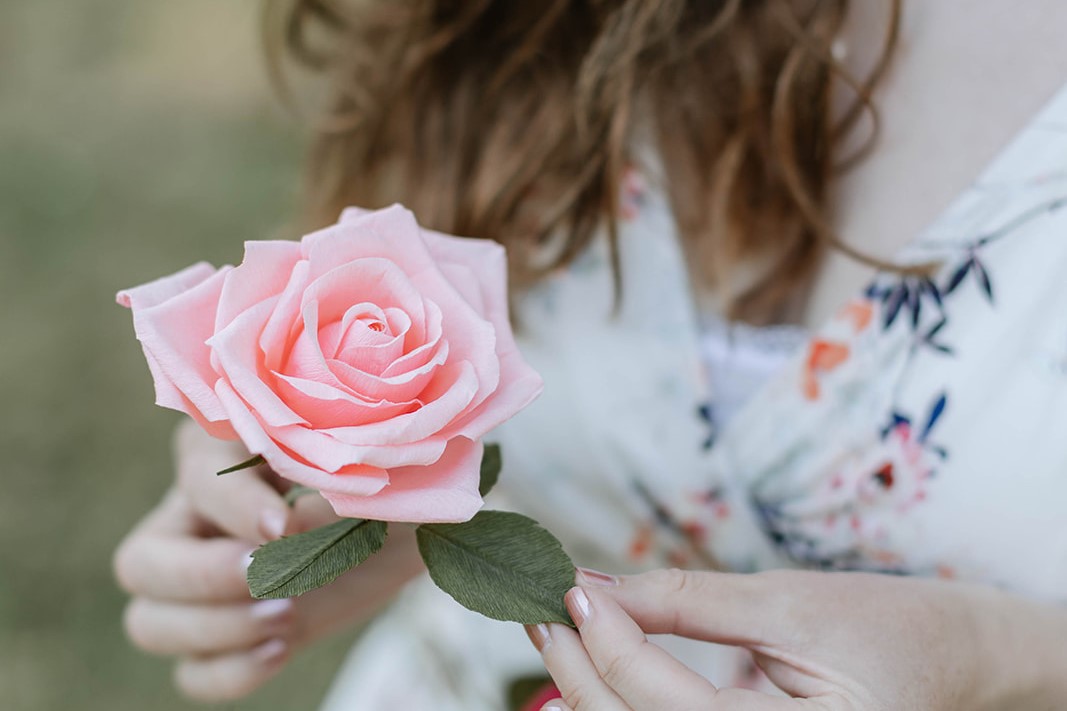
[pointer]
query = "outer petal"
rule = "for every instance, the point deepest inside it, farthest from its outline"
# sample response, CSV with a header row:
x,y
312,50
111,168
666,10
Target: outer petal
x,y
358,481
519,383
156,292
173,317
264,273
444,492
486,259
391,233
519,386
167,395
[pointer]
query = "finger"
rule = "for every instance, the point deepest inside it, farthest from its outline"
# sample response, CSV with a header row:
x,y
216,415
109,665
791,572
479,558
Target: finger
x,y
178,629
716,607
161,559
311,511
567,661
230,676
642,673
240,503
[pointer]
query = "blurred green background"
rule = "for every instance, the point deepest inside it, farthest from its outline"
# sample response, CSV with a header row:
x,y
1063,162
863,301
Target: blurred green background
x,y
135,138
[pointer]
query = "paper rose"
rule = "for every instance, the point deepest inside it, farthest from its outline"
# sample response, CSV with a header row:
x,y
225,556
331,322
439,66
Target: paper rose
x,y
366,361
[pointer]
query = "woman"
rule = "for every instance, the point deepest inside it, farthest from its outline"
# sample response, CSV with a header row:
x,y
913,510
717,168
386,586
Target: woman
x,y
672,179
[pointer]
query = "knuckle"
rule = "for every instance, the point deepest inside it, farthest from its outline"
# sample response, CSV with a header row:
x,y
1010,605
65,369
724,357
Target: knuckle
x,y
138,627
617,669
581,698
124,564
678,582
199,681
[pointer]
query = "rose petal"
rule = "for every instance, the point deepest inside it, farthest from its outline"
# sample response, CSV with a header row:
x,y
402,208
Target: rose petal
x,y
372,350
172,325
167,395
284,322
265,271
486,259
156,292
445,399
377,281
445,492
405,386
417,355
323,450
519,386
470,337
357,481
236,349
391,233
325,406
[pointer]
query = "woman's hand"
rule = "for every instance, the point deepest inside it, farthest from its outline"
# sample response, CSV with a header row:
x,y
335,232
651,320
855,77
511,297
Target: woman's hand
x,y
184,566
834,641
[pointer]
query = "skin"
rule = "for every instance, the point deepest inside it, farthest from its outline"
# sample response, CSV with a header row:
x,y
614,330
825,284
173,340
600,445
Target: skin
x,y
832,641
184,568
183,565
966,77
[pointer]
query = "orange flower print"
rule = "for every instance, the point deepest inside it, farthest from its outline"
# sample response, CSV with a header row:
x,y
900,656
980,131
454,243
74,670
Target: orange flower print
x,y
641,543
823,357
859,312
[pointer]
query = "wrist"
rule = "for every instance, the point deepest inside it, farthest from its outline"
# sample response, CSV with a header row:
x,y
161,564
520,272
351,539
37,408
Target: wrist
x,y
1022,653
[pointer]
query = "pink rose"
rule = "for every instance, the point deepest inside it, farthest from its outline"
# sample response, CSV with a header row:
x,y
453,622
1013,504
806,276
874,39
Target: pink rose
x,y
366,361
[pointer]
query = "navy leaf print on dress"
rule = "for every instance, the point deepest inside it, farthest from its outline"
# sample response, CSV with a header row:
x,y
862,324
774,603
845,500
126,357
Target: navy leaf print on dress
x,y
935,414
958,276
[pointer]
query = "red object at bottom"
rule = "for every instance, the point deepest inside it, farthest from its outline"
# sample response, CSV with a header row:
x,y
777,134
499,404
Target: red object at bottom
x,y
546,693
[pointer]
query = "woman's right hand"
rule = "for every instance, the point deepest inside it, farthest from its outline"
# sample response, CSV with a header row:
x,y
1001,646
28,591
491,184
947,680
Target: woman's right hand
x,y
184,566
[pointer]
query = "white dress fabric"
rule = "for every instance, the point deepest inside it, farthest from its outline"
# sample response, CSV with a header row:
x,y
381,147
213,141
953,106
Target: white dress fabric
x,y
923,431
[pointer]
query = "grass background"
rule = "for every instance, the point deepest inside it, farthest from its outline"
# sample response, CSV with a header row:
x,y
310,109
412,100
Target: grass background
x,y
135,138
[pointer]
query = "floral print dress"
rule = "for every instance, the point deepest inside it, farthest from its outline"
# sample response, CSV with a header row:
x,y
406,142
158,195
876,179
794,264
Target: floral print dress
x,y
923,431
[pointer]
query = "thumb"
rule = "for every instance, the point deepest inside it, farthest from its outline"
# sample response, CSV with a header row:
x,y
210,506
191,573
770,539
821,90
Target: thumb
x,y
726,608
241,503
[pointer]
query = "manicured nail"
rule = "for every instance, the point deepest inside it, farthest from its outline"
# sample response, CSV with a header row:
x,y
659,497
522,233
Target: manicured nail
x,y
272,524
578,605
595,577
271,609
539,635
246,560
271,652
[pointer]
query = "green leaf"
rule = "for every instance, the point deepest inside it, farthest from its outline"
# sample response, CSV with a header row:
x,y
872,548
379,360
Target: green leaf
x,y
296,492
501,564
491,463
246,464
296,564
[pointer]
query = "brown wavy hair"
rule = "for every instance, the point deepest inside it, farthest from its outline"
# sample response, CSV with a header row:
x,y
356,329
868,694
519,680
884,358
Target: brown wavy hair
x,y
515,121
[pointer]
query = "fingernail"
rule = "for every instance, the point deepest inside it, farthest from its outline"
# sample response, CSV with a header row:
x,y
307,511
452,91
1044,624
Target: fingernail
x,y
552,707
578,605
246,560
595,577
271,652
539,635
271,609
272,524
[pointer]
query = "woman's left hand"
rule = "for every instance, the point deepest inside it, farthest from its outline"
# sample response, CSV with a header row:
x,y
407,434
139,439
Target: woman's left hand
x,y
834,641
